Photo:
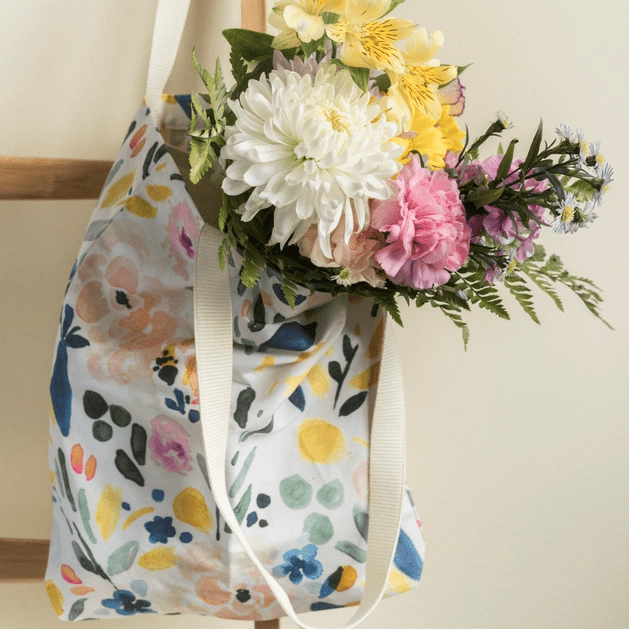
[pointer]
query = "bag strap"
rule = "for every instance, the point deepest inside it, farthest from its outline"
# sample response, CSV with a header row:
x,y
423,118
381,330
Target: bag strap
x,y
213,339
170,19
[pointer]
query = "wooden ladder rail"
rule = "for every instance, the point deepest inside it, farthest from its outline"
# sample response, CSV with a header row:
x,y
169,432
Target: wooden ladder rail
x,y
39,178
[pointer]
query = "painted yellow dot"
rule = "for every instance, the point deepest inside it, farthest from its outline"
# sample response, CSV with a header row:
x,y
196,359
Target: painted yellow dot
x,y
320,442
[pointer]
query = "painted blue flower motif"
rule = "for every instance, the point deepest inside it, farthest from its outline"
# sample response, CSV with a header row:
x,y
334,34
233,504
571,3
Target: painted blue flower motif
x,y
300,563
125,604
160,529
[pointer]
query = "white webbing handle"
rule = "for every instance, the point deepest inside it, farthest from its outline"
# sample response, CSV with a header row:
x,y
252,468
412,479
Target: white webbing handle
x,y
170,19
213,339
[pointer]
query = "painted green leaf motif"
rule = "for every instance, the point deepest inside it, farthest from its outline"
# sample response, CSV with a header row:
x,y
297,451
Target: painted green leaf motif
x,y
66,480
361,519
240,479
203,468
336,373
263,431
77,609
241,508
353,404
119,415
138,443
85,515
243,404
122,558
349,548
86,564
128,468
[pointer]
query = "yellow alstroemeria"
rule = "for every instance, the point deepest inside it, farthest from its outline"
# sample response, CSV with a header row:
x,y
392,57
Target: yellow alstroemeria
x,y
301,20
368,43
415,88
452,134
425,138
432,138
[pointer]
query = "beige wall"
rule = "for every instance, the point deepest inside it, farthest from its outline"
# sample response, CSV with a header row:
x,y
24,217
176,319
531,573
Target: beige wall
x,y
517,448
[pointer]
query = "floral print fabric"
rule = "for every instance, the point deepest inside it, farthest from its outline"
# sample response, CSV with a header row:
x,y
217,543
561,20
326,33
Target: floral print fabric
x,y
135,528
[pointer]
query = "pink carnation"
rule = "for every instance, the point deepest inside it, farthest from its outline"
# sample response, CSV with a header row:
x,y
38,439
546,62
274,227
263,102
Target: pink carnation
x,y
169,445
428,234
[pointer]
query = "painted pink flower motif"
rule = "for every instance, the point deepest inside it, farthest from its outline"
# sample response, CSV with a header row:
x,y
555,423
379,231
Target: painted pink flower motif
x,y
428,235
357,256
169,445
183,232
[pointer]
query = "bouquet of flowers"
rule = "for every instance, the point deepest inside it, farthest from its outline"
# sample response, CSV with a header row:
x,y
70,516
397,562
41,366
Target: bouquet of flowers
x,y
342,165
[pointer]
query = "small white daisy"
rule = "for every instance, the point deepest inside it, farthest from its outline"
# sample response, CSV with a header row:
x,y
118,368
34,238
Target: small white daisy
x,y
565,133
567,208
343,278
606,176
584,149
504,120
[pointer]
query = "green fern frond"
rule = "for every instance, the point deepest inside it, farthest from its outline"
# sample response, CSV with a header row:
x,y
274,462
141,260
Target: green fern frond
x,y
518,288
483,294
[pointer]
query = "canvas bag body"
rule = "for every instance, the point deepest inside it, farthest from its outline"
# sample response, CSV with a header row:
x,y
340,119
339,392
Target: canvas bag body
x,y
135,527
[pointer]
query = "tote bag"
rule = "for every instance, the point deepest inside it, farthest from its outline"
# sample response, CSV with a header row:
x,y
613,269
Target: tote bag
x,y
212,450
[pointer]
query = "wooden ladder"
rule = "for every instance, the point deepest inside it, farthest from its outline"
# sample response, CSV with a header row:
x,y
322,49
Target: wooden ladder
x,y
37,178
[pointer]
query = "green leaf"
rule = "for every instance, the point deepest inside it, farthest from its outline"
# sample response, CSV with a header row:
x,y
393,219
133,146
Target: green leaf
x,y
250,44
330,18
360,77
383,82
484,196
505,164
533,150
312,46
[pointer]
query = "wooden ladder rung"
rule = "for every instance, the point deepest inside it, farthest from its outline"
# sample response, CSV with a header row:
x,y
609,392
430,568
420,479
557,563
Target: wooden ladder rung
x,y
51,178
23,560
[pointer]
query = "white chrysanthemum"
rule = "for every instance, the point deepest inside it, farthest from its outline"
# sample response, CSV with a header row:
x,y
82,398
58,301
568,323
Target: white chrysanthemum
x,y
313,148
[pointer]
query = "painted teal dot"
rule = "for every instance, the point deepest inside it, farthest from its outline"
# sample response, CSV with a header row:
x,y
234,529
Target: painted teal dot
x,y
125,506
252,518
319,528
158,495
186,538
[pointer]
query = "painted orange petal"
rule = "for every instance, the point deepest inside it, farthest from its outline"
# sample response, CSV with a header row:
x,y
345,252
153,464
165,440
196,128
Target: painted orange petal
x,y
81,590
90,468
76,458
69,575
136,136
